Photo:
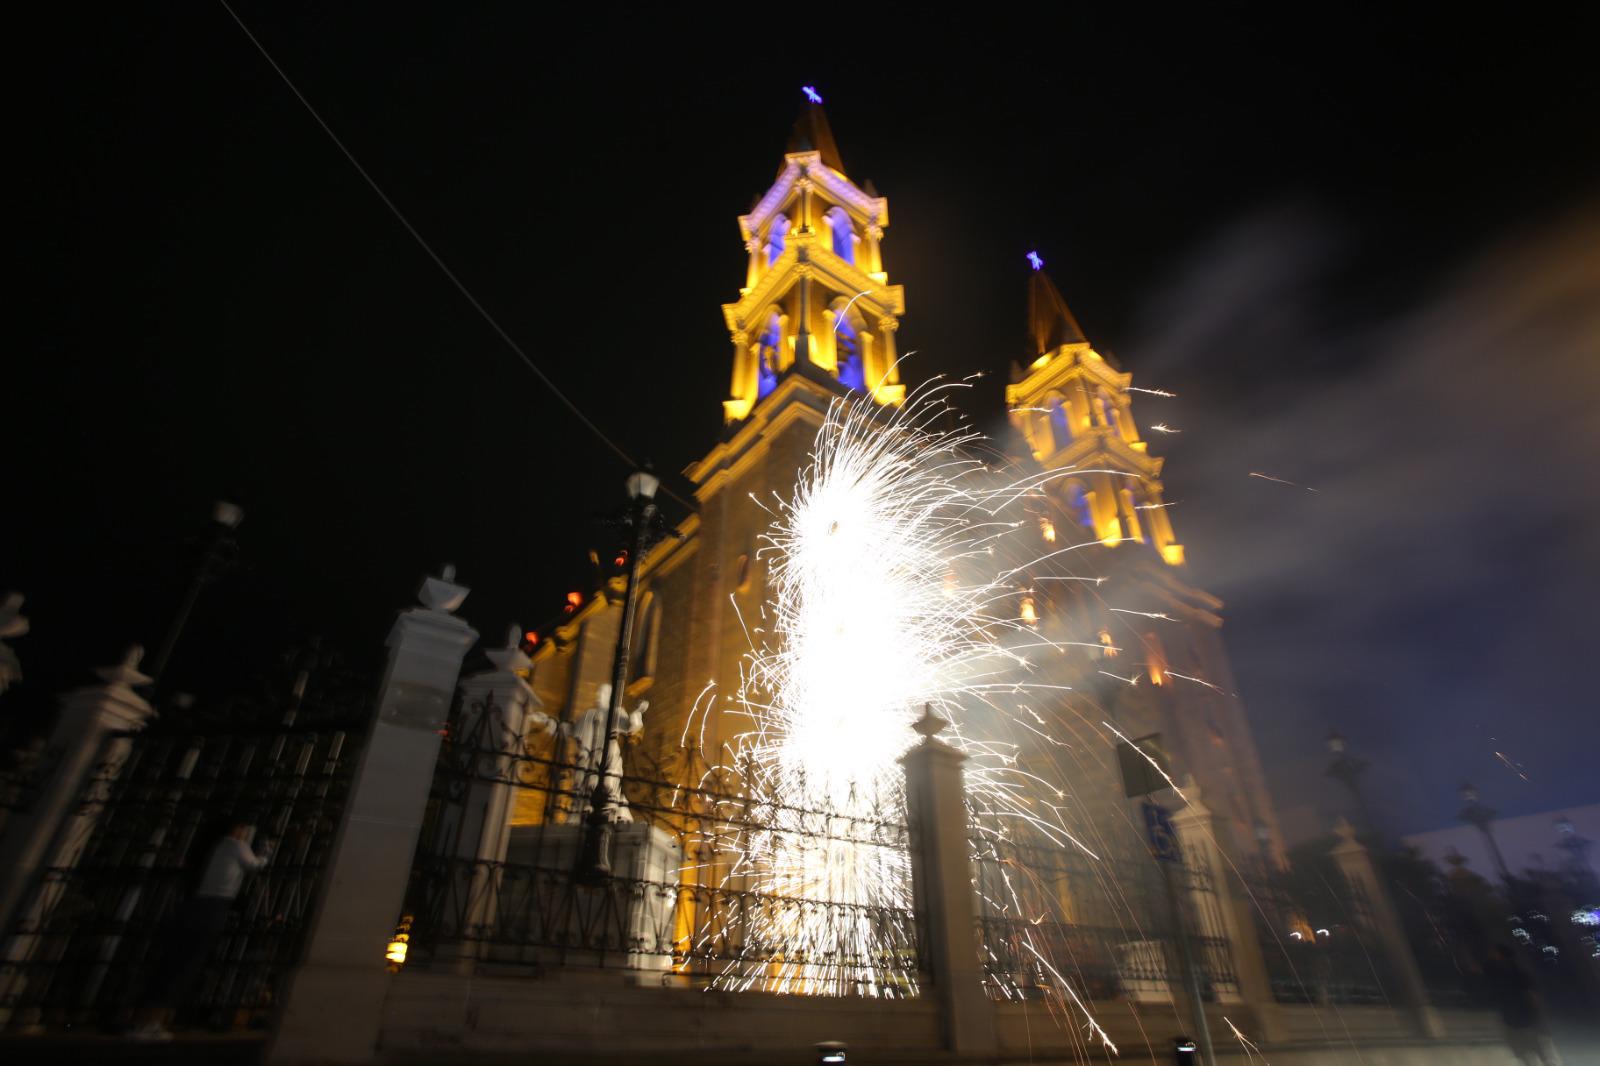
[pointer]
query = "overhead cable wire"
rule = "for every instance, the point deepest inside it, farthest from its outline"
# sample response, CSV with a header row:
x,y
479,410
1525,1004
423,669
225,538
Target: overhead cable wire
x,y
461,287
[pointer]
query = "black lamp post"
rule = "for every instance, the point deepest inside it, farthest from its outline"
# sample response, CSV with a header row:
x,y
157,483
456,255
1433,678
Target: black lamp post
x,y
1348,770
215,557
594,862
1475,813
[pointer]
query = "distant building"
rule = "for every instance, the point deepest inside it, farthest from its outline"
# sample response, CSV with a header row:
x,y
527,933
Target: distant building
x,y
1528,842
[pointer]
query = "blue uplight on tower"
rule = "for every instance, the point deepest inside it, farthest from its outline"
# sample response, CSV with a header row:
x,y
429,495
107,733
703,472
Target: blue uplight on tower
x,y
811,93
1035,261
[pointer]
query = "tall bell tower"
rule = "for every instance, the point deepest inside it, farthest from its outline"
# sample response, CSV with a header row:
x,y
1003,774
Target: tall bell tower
x,y
1161,666
816,299
1071,405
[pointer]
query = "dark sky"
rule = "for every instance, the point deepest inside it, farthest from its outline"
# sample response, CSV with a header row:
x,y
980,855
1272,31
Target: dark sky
x,y
1361,247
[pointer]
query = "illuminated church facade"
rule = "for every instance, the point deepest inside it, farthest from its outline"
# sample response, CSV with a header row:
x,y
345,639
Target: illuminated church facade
x,y
815,319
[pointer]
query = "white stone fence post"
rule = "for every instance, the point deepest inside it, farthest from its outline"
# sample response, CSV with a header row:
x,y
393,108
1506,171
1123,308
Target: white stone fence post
x,y
91,737
1381,922
498,706
941,879
334,1001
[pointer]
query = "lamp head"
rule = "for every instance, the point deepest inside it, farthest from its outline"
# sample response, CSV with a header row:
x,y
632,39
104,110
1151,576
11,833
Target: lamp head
x,y
227,515
642,485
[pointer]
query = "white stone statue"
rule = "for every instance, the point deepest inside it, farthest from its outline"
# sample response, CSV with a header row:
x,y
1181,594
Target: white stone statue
x,y
588,730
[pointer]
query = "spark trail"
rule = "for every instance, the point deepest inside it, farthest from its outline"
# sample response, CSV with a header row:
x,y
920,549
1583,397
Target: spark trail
x,y
885,596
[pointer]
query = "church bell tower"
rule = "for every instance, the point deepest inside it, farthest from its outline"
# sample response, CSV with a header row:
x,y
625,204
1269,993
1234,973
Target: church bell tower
x,y
816,300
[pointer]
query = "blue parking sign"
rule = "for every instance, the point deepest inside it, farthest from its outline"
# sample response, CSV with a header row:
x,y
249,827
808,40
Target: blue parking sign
x,y
1163,838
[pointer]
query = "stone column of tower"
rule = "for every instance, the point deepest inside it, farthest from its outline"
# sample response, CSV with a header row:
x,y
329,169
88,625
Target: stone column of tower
x,y
1162,667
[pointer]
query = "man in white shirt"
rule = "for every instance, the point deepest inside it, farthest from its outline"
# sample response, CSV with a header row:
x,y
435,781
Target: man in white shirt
x,y
198,926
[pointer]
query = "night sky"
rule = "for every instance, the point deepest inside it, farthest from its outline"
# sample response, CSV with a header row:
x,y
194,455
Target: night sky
x,y
1363,249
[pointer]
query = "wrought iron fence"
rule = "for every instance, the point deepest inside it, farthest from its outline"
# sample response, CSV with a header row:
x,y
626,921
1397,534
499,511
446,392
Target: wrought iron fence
x,y
1053,915
708,887
1317,937
92,935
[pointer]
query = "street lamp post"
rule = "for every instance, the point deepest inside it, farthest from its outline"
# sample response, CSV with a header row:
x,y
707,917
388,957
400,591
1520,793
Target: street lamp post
x,y
214,559
1348,770
1477,814
594,862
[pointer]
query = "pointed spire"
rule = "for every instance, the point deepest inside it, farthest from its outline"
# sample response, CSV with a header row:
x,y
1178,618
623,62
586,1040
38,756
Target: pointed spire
x,y
1050,321
812,133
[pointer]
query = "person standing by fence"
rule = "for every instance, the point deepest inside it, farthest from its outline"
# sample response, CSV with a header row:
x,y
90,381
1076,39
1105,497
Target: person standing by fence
x,y
197,927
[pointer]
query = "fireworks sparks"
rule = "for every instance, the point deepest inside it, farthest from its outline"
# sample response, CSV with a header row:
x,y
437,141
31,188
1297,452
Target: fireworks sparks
x,y
1162,427
1163,393
1281,481
1251,1050
1515,767
1144,614
887,594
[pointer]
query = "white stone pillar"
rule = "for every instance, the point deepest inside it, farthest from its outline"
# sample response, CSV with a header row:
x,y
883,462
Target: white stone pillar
x,y
874,254
1230,919
941,877
499,710
1383,926
44,836
334,1002
90,735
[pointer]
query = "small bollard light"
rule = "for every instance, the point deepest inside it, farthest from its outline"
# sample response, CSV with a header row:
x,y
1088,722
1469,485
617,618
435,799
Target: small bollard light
x,y
1183,1051
831,1051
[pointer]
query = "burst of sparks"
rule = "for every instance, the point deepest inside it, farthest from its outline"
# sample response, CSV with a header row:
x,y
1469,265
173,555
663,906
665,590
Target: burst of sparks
x,y
885,597
1151,392
1162,427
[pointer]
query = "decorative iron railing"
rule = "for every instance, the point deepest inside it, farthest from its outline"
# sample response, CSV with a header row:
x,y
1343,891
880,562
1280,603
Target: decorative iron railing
x,y
1318,938
1052,915
91,936
695,895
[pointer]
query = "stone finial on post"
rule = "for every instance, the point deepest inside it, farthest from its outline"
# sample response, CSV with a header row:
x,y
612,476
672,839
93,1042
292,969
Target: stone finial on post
x,y
334,1001
941,879
1382,921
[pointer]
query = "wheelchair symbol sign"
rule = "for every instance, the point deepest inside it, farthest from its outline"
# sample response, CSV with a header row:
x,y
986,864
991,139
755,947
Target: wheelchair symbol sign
x,y
1163,838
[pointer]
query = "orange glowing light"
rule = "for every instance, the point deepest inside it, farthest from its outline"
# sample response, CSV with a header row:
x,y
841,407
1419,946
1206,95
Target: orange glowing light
x,y
574,601
1047,529
1030,616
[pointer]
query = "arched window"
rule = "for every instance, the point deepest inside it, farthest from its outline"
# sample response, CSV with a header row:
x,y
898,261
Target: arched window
x,y
847,342
776,237
767,355
1078,504
1059,428
1109,414
1155,659
844,233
